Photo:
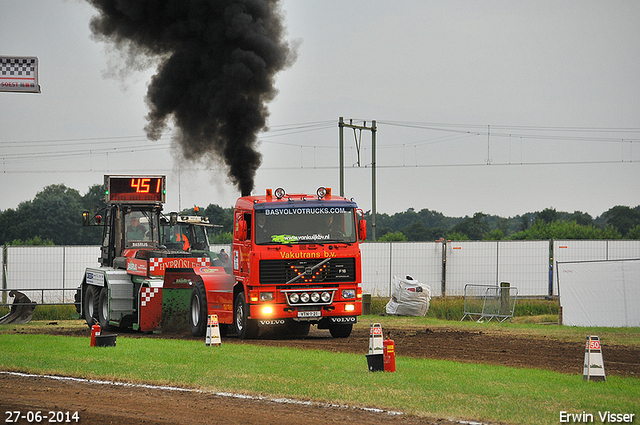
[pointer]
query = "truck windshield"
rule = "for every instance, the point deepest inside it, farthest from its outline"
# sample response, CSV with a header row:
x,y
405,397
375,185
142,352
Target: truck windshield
x,y
293,225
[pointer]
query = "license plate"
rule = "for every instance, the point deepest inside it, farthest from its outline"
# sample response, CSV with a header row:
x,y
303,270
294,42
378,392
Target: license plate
x,y
312,313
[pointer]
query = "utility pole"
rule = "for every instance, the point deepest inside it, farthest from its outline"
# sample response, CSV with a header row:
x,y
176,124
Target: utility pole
x,y
373,129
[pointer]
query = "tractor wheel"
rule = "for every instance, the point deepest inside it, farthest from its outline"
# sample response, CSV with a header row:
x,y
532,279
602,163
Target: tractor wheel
x,y
198,310
103,308
90,307
341,331
245,327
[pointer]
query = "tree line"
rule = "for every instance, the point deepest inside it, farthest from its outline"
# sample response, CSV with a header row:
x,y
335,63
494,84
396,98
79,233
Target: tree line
x,y
54,217
619,222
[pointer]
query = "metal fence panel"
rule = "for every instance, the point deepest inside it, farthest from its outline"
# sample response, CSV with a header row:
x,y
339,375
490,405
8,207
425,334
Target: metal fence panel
x,y
3,296
592,250
500,303
623,250
489,301
48,267
420,260
376,268
473,262
524,264
77,259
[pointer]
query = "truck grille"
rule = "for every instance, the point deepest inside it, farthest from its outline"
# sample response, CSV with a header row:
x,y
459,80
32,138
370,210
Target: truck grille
x,y
274,272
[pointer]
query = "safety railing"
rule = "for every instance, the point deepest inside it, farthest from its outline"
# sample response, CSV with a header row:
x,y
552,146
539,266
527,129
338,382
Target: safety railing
x,y
39,296
489,302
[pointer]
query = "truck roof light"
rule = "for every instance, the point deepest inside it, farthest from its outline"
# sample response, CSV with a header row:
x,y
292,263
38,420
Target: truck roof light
x,y
280,193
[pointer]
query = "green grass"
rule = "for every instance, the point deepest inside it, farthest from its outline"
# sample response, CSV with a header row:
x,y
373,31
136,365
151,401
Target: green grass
x,y
446,308
49,312
452,308
420,386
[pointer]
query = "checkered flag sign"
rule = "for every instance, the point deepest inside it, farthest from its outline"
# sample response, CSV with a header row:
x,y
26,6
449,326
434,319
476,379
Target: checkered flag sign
x,y
19,74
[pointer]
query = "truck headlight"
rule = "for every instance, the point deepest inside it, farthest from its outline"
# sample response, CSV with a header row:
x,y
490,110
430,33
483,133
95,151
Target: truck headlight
x,y
294,297
266,296
304,297
325,297
349,307
315,297
348,293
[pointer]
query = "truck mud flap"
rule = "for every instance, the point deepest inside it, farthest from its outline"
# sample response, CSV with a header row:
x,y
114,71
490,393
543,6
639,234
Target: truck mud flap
x,y
21,311
176,310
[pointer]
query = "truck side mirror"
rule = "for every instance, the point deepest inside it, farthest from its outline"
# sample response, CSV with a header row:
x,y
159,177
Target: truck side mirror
x,y
362,229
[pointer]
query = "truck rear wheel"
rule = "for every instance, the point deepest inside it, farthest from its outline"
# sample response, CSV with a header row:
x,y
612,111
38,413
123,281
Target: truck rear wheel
x,y
245,327
341,331
103,308
90,304
198,310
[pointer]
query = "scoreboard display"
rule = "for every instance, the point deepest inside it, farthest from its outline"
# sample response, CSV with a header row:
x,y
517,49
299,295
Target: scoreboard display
x,y
135,189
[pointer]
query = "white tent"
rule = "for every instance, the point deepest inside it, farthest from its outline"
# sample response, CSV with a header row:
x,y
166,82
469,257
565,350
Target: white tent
x,y
600,293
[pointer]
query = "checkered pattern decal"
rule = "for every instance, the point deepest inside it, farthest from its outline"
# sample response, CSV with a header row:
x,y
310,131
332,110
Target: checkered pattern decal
x,y
147,294
17,67
19,74
150,313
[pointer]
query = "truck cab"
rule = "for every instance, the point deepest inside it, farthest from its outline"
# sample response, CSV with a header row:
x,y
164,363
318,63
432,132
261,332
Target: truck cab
x,y
297,261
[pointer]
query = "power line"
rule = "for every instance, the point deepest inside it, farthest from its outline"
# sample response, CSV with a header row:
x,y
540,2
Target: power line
x,y
86,147
333,167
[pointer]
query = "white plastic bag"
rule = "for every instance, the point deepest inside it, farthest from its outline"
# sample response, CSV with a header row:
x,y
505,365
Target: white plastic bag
x,y
408,297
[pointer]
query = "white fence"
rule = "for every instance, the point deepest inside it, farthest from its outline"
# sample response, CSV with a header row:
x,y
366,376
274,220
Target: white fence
x,y
33,268
597,250
447,266
383,260
524,264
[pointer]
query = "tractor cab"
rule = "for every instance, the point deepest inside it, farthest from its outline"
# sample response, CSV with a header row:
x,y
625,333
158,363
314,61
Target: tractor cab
x,y
188,233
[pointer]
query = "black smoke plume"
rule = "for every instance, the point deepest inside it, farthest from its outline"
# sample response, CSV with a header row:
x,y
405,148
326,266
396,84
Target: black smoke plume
x,y
217,60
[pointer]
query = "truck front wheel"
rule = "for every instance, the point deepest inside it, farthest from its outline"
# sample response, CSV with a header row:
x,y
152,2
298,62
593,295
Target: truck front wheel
x,y
341,330
198,310
245,327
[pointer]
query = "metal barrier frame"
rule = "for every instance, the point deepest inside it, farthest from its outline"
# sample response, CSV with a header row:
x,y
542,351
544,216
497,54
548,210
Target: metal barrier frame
x,y
27,292
498,302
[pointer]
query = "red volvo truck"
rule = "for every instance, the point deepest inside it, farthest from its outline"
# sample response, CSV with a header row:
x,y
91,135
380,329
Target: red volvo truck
x,y
295,262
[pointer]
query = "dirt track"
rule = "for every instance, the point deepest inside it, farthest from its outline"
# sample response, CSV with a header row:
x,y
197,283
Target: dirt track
x,y
126,405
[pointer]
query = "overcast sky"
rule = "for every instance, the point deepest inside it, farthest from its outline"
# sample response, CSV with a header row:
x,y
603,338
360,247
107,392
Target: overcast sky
x,y
503,107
